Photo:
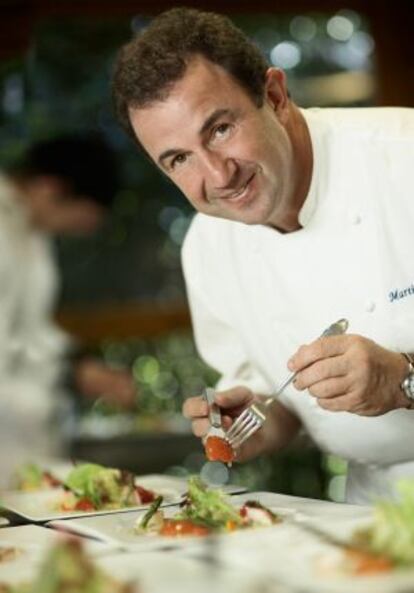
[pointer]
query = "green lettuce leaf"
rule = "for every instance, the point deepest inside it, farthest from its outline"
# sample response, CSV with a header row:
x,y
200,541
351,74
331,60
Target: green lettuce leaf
x,y
208,507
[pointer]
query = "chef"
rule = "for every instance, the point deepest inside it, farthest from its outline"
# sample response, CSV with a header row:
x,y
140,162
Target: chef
x,y
304,216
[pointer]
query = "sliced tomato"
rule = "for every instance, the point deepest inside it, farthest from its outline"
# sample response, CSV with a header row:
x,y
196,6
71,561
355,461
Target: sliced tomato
x,y
144,494
218,449
84,504
179,527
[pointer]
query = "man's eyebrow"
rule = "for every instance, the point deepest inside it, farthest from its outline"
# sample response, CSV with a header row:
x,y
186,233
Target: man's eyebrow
x,y
217,114
167,153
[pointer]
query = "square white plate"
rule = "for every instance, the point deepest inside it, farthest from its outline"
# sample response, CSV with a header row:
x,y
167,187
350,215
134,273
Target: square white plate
x,y
168,572
43,505
118,529
159,572
31,543
301,560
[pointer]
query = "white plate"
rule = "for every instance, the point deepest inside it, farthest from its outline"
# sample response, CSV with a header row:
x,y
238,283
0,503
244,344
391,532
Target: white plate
x,y
303,561
159,573
42,506
31,543
162,572
36,538
118,529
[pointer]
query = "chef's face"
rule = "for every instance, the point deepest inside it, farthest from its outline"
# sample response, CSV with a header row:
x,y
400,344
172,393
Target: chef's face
x,y
230,158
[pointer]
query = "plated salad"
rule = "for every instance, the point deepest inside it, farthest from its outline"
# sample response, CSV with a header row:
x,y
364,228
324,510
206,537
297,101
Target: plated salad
x,y
92,487
67,569
203,512
31,477
390,537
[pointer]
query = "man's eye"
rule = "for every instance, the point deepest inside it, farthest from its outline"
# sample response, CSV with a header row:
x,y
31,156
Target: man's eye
x,y
221,129
178,160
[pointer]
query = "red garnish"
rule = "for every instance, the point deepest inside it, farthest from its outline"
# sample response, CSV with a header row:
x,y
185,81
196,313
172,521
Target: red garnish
x,y
178,527
144,494
84,504
218,449
51,480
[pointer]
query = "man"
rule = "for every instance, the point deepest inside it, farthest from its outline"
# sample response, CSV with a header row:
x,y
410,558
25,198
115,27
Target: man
x,y
305,217
63,186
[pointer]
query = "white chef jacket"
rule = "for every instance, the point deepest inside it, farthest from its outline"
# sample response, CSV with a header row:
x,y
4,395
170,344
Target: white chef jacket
x,y
256,294
30,345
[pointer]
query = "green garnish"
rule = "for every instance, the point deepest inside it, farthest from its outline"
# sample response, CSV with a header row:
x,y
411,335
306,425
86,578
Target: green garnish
x,y
208,507
392,531
29,476
151,511
97,483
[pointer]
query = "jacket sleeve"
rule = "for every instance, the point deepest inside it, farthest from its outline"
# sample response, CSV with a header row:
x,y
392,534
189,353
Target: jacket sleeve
x,y
217,338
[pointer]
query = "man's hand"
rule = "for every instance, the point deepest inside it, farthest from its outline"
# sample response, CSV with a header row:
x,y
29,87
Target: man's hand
x,y
96,380
350,373
278,430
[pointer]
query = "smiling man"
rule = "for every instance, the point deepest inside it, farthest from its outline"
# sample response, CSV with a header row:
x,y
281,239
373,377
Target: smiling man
x,y
305,216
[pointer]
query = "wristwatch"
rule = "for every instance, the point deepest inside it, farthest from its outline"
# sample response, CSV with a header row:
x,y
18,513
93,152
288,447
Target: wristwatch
x,y
408,383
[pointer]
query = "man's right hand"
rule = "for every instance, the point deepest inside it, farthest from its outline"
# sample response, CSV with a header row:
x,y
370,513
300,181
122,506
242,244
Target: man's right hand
x,y
278,430
232,403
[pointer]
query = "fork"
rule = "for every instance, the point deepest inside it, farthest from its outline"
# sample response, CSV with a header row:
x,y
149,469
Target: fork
x,y
253,417
214,415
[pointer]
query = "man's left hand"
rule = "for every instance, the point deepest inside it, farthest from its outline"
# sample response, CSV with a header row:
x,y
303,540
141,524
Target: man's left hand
x,y
350,373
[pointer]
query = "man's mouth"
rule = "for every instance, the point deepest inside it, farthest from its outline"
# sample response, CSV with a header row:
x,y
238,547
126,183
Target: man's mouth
x,y
241,193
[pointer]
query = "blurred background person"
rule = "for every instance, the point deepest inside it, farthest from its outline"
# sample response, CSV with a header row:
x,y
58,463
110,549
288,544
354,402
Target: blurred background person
x,y
63,186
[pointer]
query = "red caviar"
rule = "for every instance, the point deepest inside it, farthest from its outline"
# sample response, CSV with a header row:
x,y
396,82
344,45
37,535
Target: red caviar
x,y
218,449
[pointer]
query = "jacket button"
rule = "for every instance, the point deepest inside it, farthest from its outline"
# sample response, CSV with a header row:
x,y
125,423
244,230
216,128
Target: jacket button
x,y
370,307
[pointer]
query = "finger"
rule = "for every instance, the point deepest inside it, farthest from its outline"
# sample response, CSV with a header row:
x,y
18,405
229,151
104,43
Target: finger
x,y
330,388
318,350
227,421
320,371
235,397
195,407
200,427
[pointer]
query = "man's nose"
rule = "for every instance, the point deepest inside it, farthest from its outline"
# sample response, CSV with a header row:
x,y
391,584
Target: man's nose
x,y
219,170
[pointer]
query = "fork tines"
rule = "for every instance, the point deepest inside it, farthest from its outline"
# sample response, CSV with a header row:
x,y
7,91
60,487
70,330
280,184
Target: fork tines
x,y
245,425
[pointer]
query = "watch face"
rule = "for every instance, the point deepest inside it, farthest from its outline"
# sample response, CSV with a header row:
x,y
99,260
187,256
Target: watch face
x,y
411,384
408,386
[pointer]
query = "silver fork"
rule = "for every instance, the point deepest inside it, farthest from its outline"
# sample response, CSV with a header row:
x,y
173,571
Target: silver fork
x,y
214,415
253,417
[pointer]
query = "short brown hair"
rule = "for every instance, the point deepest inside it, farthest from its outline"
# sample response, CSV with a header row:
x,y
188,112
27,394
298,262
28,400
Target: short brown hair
x,y
148,66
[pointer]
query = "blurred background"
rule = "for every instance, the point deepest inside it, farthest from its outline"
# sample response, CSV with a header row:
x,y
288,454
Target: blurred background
x,y
122,291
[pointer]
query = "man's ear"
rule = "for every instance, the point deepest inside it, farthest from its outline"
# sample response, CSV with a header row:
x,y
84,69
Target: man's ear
x,y
276,94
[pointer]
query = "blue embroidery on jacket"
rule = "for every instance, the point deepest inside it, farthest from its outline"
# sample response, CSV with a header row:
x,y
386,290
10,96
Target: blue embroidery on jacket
x,y
396,295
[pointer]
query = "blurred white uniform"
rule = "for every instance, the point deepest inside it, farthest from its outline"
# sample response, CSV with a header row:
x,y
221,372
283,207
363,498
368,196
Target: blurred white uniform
x,y
256,294
31,346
